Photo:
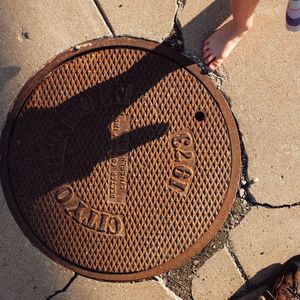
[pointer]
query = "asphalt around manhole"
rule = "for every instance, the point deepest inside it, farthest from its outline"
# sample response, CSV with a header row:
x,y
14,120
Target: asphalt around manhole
x,y
119,159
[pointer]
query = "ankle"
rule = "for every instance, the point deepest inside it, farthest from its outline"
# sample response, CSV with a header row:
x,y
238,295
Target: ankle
x,y
244,27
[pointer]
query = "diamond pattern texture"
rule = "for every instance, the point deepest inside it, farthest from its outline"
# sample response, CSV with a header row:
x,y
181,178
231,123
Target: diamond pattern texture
x,y
54,134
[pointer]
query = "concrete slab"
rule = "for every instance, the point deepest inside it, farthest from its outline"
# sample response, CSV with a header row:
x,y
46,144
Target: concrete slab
x,y
199,19
263,73
147,19
260,76
25,273
33,32
218,278
83,288
265,239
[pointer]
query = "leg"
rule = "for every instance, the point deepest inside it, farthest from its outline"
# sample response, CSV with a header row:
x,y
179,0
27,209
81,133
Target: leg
x,y
220,44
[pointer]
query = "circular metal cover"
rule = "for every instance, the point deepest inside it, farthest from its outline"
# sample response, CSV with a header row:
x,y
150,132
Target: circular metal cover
x,y
119,159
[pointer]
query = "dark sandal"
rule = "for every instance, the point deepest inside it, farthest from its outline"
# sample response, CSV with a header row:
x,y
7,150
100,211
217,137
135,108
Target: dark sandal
x,y
286,284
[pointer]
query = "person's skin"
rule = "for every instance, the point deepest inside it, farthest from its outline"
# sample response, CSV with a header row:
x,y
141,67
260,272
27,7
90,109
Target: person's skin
x,y
220,44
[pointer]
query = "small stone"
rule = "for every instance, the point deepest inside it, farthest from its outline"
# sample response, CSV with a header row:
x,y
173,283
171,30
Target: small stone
x,y
244,182
25,35
255,180
76,48
195,262
242,193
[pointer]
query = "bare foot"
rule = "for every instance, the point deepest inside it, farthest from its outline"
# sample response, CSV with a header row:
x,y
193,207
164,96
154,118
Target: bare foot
x,y
220,44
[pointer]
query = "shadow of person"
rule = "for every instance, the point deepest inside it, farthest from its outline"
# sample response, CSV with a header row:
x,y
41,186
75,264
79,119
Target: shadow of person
x,y
98,107
8,73
59,144
53,145
80,129
196,31
254,286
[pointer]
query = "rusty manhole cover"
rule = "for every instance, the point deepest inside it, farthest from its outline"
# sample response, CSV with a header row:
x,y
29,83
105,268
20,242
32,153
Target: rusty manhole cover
x,y
120,160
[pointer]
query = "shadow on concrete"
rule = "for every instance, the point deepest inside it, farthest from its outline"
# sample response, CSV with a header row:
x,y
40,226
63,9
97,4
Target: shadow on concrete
x,y
260,280
77,135
94,136
32,120
8,73
94,130
205,23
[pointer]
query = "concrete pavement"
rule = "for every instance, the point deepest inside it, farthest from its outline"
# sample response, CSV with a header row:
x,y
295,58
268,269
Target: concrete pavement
x,y
261,79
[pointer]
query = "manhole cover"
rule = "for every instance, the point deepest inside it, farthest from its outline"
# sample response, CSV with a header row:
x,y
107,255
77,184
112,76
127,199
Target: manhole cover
x,y
120,160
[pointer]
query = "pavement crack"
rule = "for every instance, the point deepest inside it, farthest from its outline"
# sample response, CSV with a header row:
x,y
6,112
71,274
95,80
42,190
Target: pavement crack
x,y
270,206
249,197
254,203
175,38
236,260
64,289
105,17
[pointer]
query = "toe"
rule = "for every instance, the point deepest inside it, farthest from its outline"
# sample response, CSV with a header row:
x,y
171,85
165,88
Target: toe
x,y
205,48
208,59
218,63
212,66
206,54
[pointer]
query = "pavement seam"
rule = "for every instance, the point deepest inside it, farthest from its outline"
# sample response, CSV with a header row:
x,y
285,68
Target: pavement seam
x,y
64,289
175,38
235,259
105,17
176,22
247,287
166,289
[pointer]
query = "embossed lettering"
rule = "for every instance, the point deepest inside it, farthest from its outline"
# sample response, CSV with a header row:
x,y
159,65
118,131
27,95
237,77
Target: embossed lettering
x,y
57,136
94,221
104,223
123,94
180,155
83,214
177,185
183,139
114,225
182,172
119,164
65,196
183,165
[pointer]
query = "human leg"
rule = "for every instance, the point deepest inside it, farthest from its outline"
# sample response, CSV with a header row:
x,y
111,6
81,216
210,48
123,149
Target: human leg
x,y
220,44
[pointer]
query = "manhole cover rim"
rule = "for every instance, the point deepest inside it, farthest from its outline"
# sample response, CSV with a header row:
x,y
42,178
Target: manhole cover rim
x,y
170,54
